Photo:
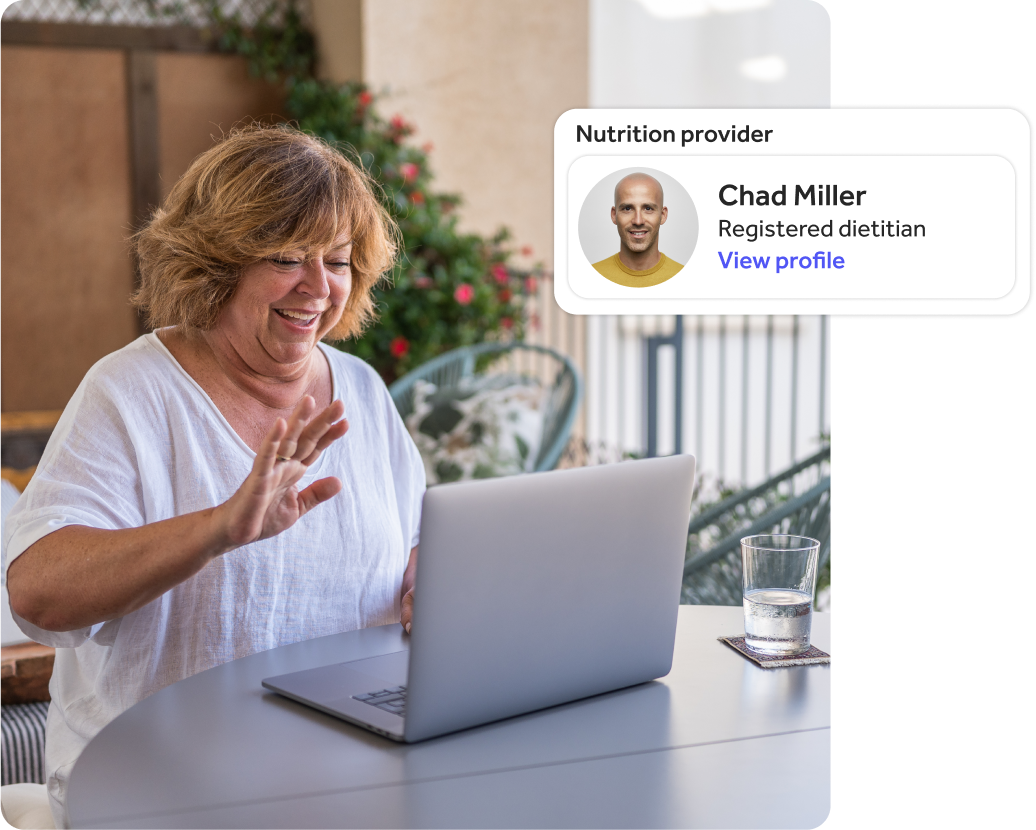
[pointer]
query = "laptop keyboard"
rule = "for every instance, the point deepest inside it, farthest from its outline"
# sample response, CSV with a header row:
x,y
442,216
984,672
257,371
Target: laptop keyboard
x,y
389,700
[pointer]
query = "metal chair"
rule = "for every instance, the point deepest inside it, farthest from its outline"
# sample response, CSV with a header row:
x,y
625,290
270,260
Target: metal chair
x,y
562,401
712,570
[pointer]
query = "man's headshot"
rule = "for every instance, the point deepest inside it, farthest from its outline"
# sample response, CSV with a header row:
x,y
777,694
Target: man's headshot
x,y
637,227
638,213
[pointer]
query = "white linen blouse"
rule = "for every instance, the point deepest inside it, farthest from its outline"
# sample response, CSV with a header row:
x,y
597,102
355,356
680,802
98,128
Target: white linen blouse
x,y
139,442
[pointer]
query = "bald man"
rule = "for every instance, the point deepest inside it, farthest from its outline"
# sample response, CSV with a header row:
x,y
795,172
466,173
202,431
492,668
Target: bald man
x,y
638,213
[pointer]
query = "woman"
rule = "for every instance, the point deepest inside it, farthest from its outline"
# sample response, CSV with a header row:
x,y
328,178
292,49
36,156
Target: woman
x,y
168,526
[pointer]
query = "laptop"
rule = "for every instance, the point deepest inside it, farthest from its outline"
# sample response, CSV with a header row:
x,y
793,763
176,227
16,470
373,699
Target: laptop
x,y
531,591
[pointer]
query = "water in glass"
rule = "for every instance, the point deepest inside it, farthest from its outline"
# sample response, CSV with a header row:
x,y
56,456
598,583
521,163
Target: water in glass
x,y
777,620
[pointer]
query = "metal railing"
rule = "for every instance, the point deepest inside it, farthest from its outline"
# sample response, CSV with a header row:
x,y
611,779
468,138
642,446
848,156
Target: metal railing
x,y
747,395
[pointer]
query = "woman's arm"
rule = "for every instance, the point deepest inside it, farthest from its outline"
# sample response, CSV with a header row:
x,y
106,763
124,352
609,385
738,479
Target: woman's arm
x,y
406,611
79,576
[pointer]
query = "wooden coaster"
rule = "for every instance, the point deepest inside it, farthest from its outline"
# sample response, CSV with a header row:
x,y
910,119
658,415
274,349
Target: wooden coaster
x,y
812,657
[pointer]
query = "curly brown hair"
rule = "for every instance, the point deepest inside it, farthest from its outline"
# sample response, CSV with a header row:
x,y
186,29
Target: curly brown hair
x,y
261,191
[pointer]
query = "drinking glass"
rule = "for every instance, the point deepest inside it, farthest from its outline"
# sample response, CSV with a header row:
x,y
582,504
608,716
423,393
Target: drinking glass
x,y
779,575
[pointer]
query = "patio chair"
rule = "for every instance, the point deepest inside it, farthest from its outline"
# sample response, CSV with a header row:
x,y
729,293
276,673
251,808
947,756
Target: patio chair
x,y
559,408
795,501
26,806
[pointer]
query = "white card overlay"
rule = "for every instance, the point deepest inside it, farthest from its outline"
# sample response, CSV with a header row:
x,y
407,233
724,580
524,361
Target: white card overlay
x,y
802,211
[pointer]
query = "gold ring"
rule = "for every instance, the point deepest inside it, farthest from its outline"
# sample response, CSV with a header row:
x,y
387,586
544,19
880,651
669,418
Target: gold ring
x,y
283,458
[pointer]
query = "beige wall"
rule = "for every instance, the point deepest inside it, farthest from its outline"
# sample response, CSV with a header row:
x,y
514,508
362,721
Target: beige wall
x,y
484,82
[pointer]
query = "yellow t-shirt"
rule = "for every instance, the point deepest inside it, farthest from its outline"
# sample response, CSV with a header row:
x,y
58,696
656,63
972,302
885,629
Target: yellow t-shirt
x,y
613,269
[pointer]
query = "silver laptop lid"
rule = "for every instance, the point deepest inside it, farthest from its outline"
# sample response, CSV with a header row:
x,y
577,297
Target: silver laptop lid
x,y
540,589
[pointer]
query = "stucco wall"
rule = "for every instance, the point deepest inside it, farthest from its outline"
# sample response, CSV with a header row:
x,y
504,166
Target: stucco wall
x,y
484,83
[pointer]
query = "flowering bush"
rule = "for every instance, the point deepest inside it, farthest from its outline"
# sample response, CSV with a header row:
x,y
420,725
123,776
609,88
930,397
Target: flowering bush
x,y
448,288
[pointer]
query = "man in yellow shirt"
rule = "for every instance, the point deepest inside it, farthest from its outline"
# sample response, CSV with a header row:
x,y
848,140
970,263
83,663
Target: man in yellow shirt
x,y
638,213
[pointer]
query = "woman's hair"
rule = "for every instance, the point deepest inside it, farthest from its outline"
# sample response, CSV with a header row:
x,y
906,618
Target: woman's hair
x,y
260,191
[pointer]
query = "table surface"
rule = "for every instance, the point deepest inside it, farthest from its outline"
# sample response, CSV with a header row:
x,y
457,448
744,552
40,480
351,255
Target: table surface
x,y
718,742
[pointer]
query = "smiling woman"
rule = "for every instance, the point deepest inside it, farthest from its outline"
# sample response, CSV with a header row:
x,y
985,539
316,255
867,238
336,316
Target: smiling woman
x,y
261,194
168,526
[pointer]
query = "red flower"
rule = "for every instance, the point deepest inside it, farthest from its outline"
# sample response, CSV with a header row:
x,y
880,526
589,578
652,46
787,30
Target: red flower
x,y
417,197
505,295
398,128
464,293
423,281
399,347
507,322
365,98
526,250
427,147
530,285
408,170
500,272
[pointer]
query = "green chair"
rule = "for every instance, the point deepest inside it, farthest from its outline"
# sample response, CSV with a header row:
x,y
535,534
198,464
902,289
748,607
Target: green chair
x,y
562,401
796,501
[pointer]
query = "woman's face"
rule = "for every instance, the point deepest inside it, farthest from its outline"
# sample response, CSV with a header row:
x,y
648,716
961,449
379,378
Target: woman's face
x,y
284,304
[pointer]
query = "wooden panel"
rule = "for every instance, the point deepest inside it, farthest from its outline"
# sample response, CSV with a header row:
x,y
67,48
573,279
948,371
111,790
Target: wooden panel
x,y
199,98
66,216
19,477
23,437
42,33
29,421
142,89
25,671
338,29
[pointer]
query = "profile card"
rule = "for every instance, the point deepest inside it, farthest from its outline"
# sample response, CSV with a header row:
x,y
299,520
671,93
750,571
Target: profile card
x,y
792,211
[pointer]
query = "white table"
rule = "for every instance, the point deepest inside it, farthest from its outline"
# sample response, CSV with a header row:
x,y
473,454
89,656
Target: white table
x,y
719,742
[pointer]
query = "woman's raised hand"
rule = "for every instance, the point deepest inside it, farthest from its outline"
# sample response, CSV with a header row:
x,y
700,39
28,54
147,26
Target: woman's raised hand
x,y
78,576
268,501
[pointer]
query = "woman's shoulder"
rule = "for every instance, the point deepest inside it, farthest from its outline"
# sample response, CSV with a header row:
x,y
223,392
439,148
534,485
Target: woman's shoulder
x,y
120,398
138,359
140,374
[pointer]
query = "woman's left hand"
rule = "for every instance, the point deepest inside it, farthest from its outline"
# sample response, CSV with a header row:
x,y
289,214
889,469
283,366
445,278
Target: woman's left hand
x,y
78,576
268,502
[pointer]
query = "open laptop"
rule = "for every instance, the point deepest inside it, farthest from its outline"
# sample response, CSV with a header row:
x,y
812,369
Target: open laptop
x,y
531,591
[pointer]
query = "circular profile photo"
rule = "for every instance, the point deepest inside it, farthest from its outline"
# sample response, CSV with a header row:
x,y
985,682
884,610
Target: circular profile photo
x,y
638,227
